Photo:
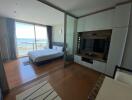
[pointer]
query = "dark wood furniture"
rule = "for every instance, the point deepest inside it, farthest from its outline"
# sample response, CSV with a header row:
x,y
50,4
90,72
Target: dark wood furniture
x,y
1,98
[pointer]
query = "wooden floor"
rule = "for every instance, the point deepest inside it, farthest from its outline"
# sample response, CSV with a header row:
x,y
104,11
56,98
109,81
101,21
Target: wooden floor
x,y
21,71
74,82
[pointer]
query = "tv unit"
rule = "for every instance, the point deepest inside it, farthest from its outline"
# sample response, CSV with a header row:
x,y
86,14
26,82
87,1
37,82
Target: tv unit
x,y
94,44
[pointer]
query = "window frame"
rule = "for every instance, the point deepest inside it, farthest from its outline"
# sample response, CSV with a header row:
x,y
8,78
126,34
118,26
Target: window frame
x,y
34,24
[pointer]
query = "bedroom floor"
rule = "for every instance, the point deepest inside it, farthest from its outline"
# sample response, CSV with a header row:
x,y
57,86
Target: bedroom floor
x,y
21,70
74,82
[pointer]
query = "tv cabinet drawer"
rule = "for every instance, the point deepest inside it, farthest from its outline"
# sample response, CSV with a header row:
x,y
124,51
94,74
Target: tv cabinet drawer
x,y
86,64
99,66
96,65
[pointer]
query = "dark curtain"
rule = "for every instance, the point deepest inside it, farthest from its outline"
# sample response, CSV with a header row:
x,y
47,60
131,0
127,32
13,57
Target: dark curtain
x,y
3,81
11,38
8,37
49,32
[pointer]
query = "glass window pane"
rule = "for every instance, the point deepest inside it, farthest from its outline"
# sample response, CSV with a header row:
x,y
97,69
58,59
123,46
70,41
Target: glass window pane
x,y
41,37
25,38
69,34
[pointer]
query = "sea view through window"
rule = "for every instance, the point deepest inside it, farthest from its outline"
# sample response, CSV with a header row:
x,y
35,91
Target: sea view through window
x,y
30,37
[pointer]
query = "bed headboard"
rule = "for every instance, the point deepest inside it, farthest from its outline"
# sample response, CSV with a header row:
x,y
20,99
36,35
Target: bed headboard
x,y
58,44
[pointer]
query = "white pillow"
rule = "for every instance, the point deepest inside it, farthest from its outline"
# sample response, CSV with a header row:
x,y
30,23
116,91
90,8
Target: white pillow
x,y
55,47
58,48
124,77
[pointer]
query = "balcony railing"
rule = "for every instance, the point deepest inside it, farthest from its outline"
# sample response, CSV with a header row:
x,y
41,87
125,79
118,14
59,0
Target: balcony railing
x,y
24,47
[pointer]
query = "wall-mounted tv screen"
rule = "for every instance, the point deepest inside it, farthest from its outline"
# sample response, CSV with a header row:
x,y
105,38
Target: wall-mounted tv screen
x,y
93,45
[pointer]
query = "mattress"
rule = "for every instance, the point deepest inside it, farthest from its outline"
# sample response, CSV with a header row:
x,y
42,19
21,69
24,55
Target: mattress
x,y
46,54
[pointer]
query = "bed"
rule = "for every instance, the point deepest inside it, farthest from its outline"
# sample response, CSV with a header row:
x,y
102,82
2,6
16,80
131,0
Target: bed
x,y
40,56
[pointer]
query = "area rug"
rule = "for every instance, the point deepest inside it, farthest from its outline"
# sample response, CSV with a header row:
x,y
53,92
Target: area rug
x,y
96,88
42,91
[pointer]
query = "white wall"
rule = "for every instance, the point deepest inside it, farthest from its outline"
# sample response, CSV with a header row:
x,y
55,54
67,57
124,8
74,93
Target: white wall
x,y
127,58
58,33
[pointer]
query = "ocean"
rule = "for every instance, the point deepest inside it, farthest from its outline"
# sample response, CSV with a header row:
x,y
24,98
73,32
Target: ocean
x,y
28,41
26,45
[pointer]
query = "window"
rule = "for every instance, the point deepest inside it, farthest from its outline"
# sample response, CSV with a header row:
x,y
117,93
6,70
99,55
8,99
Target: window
x,y
30,37
41,37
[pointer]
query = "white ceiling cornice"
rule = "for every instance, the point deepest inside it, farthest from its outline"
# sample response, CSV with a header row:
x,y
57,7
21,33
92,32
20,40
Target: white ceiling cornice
x,y
80,8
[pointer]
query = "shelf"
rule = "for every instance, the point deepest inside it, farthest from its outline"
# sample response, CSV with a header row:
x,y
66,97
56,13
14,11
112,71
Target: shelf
x,y
92,57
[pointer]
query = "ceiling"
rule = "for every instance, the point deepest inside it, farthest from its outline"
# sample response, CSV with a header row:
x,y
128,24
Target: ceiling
x,y
31,11
82,7
37,12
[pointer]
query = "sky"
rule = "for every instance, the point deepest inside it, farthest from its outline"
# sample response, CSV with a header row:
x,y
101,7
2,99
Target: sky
x,y
26,31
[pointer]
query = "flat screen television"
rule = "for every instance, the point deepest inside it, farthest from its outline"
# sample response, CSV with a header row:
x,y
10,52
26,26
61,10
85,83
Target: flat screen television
x,y
94,45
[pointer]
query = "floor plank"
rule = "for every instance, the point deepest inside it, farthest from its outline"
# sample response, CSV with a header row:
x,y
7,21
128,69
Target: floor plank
x,y
71,83
21,71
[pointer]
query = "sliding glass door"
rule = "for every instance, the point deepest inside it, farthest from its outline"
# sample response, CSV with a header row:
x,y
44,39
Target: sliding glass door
x,y
30,37
69,39
25,38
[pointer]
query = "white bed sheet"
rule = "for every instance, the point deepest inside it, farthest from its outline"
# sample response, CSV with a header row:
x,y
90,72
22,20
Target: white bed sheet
x,y
46,54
